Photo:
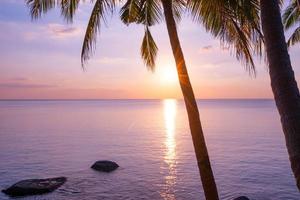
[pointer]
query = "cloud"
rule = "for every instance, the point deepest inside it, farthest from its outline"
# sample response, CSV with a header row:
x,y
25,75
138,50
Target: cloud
x,y
12,1
19,79
212,49
62,93
208,47
61,31
30,32
111,61
17,85
53,31
20,82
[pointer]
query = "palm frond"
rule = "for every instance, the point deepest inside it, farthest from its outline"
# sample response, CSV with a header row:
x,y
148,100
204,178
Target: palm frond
x,y
149,50
98,14
178,7
68,9
130,12
291,15
150,12
295,37
290,18
39,7
235,23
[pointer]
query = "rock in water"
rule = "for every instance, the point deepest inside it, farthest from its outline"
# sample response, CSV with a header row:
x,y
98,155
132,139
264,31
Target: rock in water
x,y
242,198
105,166
34,186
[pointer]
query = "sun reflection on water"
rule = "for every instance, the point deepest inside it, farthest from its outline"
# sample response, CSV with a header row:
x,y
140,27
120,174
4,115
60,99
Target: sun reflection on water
x,y
170,106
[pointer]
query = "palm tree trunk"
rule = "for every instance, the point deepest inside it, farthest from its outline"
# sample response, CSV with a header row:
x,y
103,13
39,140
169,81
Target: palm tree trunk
x,y
204,166
283,83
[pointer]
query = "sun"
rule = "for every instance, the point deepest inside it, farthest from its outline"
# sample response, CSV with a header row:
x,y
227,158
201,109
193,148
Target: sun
x,y
168,74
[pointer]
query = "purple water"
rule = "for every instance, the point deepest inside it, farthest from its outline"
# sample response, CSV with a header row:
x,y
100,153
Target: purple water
x,y
150,140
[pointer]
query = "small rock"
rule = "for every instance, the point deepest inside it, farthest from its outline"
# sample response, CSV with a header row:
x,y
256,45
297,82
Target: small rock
x,y
105,166
242,198
34,186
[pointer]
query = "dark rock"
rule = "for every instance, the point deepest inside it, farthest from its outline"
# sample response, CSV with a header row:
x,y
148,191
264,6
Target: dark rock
x,y
242,198
34,186
105,166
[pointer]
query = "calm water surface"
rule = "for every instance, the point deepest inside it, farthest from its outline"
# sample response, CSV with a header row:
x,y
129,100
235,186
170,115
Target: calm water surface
x,y
150,140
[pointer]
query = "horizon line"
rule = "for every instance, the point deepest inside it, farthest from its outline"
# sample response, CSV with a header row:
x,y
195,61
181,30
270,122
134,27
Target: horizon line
x,y
112,99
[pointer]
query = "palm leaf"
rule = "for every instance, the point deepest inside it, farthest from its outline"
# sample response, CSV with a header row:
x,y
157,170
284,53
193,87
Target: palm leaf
x,y
295,37
178,8
235,23
149,50
150,12
39,7
291,15
130,12
68,9
99,12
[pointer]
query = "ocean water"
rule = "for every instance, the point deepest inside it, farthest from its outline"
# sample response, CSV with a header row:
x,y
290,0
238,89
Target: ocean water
x,y
151,142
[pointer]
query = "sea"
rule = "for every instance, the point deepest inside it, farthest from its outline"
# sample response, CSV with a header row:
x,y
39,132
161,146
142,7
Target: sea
x,y
151,142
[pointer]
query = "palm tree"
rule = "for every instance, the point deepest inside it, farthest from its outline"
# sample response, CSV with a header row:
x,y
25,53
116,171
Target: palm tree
x,y
237,23
283,83
146,12
291,17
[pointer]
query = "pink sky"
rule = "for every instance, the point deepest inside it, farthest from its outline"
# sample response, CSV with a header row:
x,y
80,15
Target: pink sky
x,y
42,60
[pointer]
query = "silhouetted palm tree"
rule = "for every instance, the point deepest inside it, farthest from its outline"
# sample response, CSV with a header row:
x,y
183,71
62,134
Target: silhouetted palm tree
x,y
218,18
146,12
283,82
149,13
291,17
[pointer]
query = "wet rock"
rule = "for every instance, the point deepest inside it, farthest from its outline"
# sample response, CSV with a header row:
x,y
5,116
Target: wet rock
x,y
105,166
34,186
242,198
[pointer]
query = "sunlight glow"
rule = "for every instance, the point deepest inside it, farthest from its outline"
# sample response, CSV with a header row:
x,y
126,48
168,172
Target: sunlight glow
x,y
170,107
168,74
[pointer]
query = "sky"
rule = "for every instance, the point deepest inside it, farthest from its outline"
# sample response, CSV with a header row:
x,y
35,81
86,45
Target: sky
x,y
41,60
